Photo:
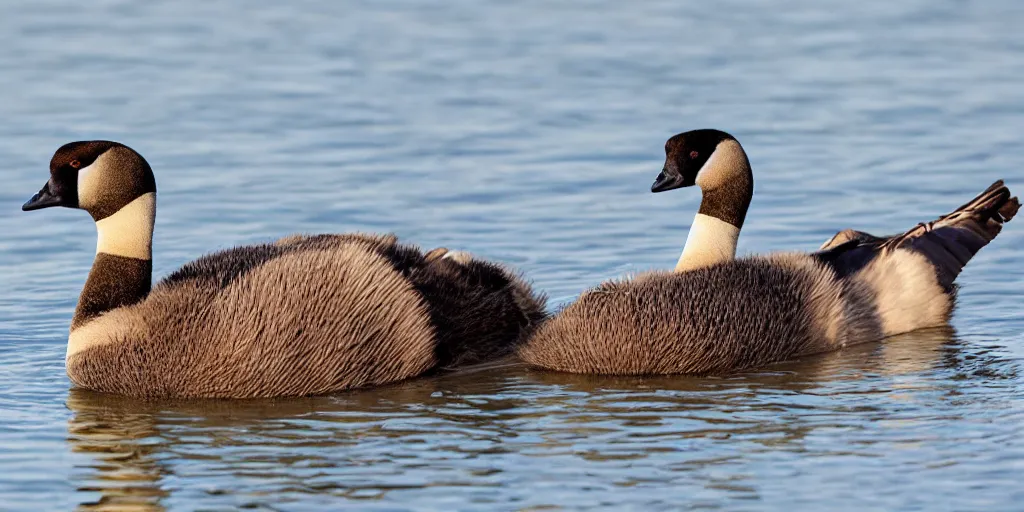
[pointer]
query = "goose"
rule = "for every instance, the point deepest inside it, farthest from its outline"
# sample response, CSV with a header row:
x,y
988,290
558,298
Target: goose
x,y
305,315
717,314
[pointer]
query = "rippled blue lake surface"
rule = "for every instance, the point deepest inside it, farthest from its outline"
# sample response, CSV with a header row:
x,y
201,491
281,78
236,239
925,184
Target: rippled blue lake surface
x,y
527,132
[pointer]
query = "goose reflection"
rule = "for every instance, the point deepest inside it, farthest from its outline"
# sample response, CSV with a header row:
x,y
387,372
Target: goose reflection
x,y
485,427
775,408
123,471
354,445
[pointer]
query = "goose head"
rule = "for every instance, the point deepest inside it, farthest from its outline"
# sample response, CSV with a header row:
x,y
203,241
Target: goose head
x,y
714,161
100,177
705,158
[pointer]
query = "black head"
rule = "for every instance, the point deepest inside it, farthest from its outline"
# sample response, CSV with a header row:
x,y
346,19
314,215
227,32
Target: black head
x,y
97,176
685,156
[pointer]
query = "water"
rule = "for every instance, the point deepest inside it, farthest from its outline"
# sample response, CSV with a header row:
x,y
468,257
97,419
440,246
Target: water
x,y
527,132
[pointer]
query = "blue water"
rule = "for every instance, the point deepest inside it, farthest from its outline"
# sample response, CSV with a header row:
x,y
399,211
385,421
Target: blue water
x,y
527,132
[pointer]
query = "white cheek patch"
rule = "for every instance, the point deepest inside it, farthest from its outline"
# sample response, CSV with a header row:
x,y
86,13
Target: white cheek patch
x,y
705,169
87,185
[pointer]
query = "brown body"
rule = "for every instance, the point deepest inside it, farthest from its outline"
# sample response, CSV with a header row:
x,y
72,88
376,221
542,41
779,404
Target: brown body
x,y
345,319
710,320
738,314
301,317
304,315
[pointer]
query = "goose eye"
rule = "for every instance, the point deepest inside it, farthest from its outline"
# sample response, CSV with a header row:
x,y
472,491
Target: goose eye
x,y
693,154
75,164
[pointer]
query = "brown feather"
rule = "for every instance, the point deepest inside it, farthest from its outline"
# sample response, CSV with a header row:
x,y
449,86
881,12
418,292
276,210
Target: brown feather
x,y
480,310
305,315
303,323
730,316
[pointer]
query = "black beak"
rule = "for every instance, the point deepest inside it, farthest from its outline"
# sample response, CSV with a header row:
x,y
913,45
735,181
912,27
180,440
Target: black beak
x,y
43,199
667,182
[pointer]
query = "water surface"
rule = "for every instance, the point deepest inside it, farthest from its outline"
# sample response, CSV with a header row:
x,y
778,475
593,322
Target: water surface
x,y
527,132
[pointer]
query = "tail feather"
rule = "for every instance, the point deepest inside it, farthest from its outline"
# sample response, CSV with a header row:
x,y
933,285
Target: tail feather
x,y
950,241
908,278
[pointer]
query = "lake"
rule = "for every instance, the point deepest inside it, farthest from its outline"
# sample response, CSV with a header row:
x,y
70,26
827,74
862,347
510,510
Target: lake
x,y
527,132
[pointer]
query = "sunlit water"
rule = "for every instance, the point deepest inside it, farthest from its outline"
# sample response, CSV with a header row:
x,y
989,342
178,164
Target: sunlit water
x,y
527,132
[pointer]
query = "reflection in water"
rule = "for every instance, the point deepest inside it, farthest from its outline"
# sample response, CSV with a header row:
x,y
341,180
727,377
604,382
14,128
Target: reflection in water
x,y
773,408
486,428
328,446
124,470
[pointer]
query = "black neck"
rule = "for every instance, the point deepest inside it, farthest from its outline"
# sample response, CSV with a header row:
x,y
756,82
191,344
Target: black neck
x,y
114,282
729,201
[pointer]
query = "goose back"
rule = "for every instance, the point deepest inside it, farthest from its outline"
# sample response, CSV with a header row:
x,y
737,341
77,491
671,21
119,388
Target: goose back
x,y
729,316
479,310
346,320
